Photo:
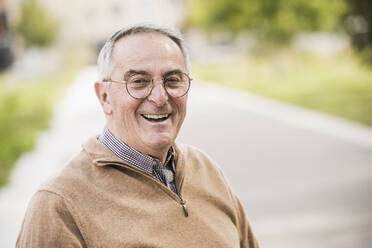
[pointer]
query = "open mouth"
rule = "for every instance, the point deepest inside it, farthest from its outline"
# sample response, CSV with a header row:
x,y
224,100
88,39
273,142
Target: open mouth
x,y
156,117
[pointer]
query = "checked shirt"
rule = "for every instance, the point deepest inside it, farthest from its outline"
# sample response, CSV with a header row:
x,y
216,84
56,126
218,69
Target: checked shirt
x,y
153,166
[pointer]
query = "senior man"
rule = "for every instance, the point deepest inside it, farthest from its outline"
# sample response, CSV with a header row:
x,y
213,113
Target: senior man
x,y
132,186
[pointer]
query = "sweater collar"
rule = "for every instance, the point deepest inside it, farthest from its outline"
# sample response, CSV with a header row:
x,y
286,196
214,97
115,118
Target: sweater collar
x,y
133,157
100,155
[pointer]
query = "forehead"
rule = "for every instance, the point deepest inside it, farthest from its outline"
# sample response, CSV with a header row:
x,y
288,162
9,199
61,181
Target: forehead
x,y
147,51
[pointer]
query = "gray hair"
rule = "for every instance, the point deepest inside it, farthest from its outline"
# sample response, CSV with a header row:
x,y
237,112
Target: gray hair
x,y
106,65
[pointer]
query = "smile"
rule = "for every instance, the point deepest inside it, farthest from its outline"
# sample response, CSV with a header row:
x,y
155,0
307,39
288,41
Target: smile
x,y
156,117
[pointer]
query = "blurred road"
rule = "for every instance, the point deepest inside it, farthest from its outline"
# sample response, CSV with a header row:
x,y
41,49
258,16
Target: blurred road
x,y
305,179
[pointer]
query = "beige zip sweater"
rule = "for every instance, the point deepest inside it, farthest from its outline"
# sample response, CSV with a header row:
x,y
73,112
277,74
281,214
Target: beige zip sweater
x,y
99,201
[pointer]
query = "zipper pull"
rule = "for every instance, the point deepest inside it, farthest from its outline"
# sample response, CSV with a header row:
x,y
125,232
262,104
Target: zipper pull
x,y
183,203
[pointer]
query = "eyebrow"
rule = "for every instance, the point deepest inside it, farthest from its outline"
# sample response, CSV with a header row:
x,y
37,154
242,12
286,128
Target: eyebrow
x,y
135,72
131,73
172,72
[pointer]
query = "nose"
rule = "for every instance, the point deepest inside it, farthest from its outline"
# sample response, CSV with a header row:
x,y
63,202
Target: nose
x,y
158,94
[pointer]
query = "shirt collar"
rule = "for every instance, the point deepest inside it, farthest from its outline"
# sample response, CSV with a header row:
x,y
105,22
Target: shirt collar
x,y
132,156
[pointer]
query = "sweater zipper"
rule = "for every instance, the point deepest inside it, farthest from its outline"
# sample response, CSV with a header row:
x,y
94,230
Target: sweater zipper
x,y
184,206
181,200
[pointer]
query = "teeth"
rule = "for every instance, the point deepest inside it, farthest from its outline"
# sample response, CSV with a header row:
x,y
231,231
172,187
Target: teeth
x,y
151,116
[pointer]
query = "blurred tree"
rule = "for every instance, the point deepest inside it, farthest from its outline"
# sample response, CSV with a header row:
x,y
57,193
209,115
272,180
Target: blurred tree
x,y
359,26
36,26
6,55
274,20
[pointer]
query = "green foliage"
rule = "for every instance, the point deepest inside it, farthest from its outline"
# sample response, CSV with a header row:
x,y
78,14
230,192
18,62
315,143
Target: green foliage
x,y
339,86
36,26
21,115
25,109
358,21
366,55
275,20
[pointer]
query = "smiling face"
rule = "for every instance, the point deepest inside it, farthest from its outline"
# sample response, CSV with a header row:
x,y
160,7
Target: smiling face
x,y
149,125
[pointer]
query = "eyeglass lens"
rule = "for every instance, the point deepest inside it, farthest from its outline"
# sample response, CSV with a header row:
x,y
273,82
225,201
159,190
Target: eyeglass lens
x,y
140,86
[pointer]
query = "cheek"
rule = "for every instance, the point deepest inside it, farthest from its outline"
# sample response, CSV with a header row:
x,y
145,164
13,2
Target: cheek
x,y
181,105
122,104
128,112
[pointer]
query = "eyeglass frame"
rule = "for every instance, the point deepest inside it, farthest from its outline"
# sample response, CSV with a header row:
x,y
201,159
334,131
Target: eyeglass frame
x,y
152,82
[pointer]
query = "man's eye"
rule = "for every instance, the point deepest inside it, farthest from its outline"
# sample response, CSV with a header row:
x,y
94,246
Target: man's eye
x,y
172,79
139,82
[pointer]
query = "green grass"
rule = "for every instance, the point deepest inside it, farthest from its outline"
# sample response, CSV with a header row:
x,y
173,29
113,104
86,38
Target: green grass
x,y
25,109
336,85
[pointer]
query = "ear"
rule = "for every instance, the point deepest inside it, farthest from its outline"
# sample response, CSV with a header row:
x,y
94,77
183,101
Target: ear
x,y
103,97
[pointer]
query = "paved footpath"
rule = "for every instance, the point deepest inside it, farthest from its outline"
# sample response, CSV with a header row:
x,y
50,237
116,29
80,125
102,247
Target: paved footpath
x,y
305,179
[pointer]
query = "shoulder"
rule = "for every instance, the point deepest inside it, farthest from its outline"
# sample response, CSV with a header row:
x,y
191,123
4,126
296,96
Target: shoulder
x,y
72,180
197,162
80,171
192,154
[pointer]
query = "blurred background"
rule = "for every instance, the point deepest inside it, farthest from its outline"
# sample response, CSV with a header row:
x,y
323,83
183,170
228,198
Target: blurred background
x,y
285,86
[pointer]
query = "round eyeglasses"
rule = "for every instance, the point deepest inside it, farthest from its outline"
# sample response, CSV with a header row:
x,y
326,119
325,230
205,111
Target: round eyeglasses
x,y
140,85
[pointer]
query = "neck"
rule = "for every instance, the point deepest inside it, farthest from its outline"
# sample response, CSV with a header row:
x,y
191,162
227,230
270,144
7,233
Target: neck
x,y
160,153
